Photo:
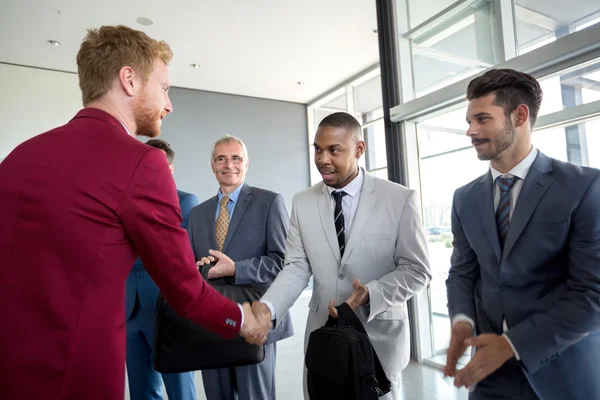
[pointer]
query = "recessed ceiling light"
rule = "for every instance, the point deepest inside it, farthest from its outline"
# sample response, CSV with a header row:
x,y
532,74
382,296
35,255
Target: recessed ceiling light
x,y
144,21
196,66
301,83
54,42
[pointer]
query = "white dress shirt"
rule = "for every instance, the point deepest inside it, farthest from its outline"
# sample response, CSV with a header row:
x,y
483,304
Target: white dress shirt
x,y
520,171
349,201
349,205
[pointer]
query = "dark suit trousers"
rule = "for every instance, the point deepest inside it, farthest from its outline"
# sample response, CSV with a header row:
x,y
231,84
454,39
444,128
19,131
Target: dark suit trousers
x,y
253,381
507,383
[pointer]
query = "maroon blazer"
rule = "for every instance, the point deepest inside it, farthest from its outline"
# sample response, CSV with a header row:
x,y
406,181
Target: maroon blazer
x,y
77,205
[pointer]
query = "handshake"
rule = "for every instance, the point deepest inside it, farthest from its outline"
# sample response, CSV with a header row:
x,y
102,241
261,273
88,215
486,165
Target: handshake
x,y
257,323
257,318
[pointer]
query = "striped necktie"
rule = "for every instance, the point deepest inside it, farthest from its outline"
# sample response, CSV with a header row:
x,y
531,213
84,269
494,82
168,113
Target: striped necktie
x,y
503,211
338,219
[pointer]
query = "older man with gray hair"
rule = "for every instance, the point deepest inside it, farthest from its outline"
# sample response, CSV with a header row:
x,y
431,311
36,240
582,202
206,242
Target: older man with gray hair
x,y
244,230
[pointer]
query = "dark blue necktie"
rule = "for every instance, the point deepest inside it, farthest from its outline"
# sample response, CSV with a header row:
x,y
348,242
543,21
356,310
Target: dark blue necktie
x,y
338,219
503,210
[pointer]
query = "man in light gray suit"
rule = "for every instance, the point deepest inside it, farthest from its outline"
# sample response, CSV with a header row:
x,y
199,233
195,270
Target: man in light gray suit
x,y
244,228
376,237
525,268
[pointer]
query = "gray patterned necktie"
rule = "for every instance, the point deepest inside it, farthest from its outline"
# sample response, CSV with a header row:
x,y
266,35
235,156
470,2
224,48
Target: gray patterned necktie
x,y
503,211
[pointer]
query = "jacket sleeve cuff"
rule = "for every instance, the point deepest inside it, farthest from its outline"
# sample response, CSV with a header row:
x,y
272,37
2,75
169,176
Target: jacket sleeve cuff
x,y
462,318
242,317
512,346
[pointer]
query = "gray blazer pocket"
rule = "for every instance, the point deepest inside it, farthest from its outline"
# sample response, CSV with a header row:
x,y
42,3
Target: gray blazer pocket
x,y
393,313
377,237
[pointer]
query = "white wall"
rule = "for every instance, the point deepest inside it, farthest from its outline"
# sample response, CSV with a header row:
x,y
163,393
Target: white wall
x,y
34,101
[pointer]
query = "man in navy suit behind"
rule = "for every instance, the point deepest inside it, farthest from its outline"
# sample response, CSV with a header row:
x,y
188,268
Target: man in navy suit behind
x,y
525,268
144,381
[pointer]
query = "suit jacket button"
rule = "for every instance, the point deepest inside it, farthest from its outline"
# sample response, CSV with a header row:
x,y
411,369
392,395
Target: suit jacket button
x,y
340,276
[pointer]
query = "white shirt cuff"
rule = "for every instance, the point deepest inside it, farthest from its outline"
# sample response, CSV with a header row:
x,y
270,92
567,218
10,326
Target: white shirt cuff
x,y
271,308
462,317
513,347
242,312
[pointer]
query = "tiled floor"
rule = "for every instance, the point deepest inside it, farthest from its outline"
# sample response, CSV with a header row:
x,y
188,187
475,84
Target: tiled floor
x,y
419,382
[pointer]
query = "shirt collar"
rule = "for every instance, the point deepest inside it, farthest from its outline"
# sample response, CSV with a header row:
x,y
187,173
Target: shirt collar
x,y
127,130
521,169
353,187
233,196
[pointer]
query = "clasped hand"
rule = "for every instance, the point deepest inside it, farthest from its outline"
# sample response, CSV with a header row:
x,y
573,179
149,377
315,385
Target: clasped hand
x,y
257,323
359,296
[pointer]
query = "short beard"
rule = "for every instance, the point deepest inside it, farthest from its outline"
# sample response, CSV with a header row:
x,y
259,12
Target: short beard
x,y
501,142
146,119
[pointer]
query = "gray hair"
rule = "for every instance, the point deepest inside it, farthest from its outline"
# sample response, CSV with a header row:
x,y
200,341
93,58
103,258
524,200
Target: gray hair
x,y
228,139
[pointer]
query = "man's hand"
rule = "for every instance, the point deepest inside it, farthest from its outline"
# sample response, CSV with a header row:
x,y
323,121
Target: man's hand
x,y
359,297
225,266
252,330
492,352
204,261
460,333
262,314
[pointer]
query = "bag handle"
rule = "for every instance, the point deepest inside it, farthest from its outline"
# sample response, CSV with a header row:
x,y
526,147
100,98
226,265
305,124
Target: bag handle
x,y
347,317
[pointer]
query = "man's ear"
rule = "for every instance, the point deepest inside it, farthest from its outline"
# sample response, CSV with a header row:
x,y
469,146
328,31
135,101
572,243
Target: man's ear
x,y
360,148
521,115
127,80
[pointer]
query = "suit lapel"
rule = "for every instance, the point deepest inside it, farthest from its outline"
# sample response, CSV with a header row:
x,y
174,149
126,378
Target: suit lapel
x,y
366,202
326,217
535,185
485,207
238,213
210,221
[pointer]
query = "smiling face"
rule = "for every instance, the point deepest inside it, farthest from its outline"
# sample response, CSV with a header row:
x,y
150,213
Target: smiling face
x,y
153,103
336,155
229,165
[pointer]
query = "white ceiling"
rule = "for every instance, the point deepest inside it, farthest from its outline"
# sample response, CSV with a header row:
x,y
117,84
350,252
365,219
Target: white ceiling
x,y
259,48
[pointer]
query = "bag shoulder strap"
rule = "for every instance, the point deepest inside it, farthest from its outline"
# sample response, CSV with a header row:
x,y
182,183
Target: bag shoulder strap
x,y
347,314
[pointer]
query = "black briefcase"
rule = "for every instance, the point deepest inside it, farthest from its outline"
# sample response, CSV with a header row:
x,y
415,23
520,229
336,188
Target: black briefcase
x,y
181,345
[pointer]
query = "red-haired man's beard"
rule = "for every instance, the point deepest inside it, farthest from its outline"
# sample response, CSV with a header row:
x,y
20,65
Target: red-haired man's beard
x,y
147,119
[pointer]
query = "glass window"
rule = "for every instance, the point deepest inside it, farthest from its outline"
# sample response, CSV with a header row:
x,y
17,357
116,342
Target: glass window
x,y
579,85
457,48
420,11
540,22
374,136
447,161
368,100
335,105
380,173
578,144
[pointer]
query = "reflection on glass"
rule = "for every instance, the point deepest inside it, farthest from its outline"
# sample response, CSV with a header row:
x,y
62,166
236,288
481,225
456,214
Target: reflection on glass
x,y
457,48
539,22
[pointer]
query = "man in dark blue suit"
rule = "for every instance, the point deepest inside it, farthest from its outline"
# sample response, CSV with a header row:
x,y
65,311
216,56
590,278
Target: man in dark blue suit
x,y
525,268
244,228
144,381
